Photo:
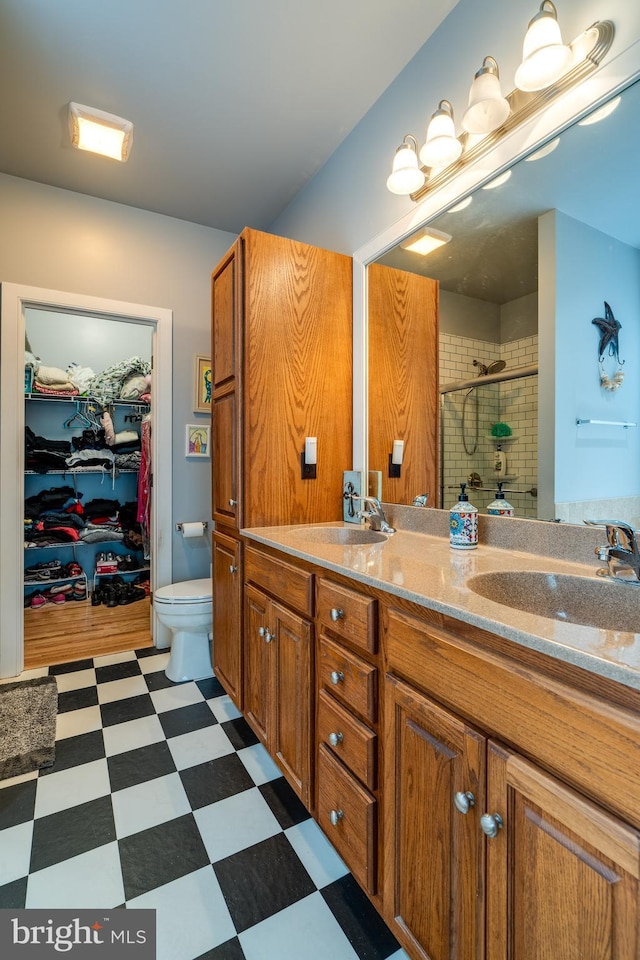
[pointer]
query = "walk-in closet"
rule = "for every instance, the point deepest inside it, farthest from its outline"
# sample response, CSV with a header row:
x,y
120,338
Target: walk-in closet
x,y
87,486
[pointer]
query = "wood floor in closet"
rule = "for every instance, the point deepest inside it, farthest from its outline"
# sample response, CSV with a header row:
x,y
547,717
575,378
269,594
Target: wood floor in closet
x,y
75,630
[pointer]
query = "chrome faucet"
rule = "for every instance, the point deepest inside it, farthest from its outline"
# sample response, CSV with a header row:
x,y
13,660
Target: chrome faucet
x,y
375,514
621,553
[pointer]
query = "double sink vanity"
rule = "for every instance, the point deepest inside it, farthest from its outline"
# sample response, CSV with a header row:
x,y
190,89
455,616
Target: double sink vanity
x,y
463,725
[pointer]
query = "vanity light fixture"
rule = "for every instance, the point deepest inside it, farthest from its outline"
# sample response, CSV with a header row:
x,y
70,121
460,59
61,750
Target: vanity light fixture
x,y
425,241
543,151
544,56
441,146
538,86
406,176
99,132
462,205
487,109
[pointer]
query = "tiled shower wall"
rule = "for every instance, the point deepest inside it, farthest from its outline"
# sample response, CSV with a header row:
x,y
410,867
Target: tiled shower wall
x,y
513,402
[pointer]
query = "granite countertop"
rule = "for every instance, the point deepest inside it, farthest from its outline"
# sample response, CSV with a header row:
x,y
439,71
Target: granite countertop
x,y
422,568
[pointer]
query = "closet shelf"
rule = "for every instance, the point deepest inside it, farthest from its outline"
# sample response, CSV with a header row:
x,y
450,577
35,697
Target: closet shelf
x,y
68,543
78,472
43,584
84,399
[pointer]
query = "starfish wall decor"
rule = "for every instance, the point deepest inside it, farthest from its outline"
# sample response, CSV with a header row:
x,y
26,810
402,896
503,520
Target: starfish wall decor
x,y
609,328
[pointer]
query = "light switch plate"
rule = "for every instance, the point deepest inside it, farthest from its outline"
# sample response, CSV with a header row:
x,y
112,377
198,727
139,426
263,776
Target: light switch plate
x,y
351,482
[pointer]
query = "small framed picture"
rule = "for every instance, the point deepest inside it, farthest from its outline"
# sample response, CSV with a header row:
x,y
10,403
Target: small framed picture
x,y
197,440
202,398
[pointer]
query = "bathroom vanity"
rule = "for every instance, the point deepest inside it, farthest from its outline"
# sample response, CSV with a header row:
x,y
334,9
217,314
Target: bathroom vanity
x,y
475,765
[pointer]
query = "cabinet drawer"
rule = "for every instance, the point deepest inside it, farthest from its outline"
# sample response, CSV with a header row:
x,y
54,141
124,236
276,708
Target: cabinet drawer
x,y
350,679
349,614
284,581
347,814
351,740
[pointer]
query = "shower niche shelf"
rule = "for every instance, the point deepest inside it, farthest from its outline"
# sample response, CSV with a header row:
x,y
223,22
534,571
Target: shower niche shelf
x,y
509,439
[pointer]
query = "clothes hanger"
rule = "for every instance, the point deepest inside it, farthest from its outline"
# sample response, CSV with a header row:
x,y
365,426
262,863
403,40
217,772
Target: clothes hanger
x,y
79,416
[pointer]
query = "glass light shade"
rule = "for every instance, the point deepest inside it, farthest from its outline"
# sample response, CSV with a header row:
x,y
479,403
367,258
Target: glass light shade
x,y
406,176
487,109
99,132
441,147
544,56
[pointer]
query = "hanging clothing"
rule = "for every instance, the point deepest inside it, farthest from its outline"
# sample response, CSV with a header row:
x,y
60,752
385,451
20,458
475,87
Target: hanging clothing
x,y
144,485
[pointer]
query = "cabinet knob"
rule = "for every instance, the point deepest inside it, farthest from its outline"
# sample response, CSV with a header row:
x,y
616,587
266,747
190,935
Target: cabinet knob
x,y
265,633
491,823
336,816
232,568
336,614
337,676
464,801
233,503
335,739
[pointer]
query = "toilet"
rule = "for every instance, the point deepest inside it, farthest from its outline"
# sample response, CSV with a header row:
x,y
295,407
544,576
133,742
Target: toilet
x,y
187,610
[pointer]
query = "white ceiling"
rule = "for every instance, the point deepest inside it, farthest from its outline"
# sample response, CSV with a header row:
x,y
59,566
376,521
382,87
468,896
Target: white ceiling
x,y
235,103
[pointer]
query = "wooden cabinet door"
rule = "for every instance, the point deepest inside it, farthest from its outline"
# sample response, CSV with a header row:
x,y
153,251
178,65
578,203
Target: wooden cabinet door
x,y
433,854
226,462
291,740
562,875
259,637
225,303
227,614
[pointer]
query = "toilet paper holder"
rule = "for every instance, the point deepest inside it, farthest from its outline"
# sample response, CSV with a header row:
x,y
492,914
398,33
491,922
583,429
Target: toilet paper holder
x,y
205,524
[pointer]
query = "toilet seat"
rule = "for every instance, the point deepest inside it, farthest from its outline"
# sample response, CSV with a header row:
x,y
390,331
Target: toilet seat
x,y
186,592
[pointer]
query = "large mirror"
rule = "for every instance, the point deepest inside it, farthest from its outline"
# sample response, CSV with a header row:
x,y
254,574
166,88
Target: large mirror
x,y
533,258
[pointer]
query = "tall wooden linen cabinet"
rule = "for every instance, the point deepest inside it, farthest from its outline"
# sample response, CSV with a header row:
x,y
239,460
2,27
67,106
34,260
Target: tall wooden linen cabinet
x,y
282,371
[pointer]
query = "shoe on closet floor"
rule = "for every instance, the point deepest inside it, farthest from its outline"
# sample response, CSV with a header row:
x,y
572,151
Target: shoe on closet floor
x,y
37,600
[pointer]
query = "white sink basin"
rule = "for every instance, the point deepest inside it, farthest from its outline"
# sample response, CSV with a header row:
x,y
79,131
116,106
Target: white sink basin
x,y
589,601
340,535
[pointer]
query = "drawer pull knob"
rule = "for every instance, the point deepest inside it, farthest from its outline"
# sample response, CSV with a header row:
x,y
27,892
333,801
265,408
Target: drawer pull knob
x,y
336,816
233,503
491,823
464,801
337,676
233,568
335,739
265,633
336,614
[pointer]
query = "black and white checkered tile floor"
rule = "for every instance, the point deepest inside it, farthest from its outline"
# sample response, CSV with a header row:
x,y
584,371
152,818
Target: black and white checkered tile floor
x,y
162,797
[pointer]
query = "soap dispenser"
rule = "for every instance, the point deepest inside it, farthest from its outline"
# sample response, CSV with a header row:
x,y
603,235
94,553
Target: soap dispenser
x,y
463,523
500,507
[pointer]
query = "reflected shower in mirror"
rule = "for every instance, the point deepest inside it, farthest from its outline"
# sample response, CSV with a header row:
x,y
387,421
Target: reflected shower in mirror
x,y
533,256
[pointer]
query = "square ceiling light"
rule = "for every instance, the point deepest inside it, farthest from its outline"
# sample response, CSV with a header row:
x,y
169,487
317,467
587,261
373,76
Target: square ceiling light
x,y
425,241
100,132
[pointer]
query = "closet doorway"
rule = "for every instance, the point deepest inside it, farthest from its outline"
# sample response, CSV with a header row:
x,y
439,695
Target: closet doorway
x,y
99,336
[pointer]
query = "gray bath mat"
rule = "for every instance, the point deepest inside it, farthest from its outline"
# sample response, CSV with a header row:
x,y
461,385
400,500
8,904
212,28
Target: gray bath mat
x,y
28,711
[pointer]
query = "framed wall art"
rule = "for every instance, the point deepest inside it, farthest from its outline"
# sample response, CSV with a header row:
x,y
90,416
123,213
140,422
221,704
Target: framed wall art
x,y
197,440
202,398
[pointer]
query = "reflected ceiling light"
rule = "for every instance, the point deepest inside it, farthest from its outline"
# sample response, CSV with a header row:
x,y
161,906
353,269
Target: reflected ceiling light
x,y
406,176
597,115
100,132
425,241
461,206
543,151
497,181
487,109
544,56
441,146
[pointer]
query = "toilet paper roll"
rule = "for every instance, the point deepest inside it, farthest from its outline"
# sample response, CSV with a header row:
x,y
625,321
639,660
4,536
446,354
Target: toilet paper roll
x,y
193,530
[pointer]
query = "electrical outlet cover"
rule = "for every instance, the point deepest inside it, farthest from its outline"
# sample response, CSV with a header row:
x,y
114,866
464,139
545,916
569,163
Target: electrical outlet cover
x,y
351,483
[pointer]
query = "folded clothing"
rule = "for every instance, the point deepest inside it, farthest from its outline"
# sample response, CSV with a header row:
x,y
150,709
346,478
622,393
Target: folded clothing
x,y
80,377
50,376
95,534
91,458
63,390
101,507
52,499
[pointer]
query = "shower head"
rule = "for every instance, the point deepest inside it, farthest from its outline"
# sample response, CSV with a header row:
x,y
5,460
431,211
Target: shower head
x,y
494,367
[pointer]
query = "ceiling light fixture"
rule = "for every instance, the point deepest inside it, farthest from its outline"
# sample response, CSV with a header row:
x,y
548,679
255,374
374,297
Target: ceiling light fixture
x,y
100,132
548,70
544,56
425,241
487,109
441,146
406,176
